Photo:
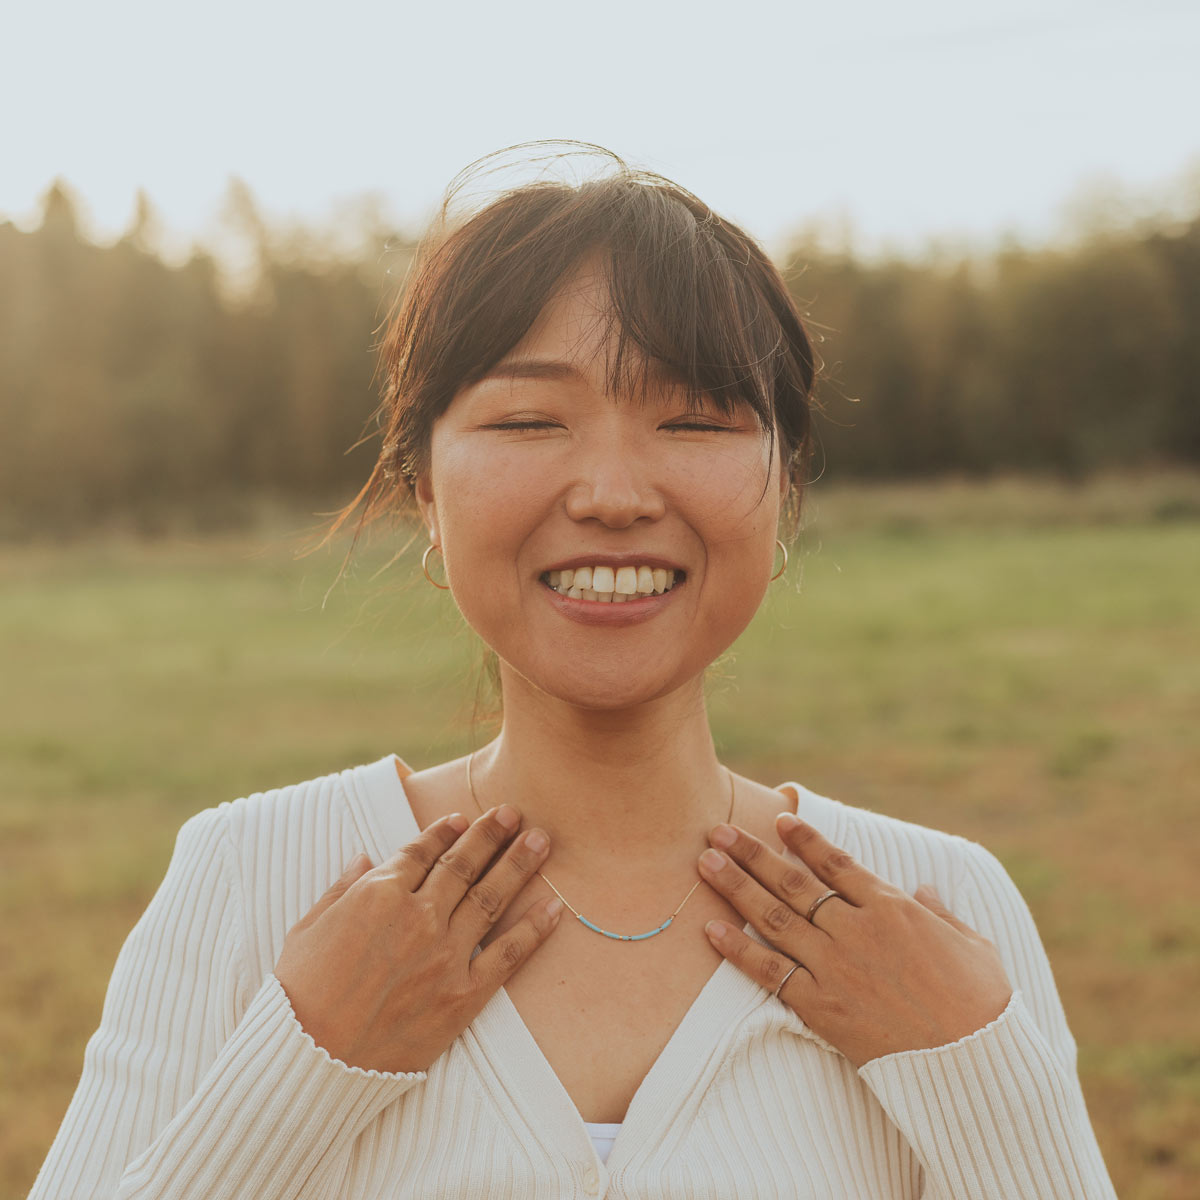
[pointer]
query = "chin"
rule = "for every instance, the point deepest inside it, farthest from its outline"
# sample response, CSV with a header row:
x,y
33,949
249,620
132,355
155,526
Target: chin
x,y
607,687
611,701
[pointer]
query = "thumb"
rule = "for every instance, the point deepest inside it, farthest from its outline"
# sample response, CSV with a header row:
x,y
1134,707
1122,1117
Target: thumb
x,y
927,895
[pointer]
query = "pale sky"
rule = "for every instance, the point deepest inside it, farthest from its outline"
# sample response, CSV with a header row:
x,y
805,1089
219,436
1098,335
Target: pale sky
x,y
929,117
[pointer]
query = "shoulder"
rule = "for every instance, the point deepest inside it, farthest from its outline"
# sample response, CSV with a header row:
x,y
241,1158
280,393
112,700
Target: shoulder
x,y
298,814
971,881
902,852
284,846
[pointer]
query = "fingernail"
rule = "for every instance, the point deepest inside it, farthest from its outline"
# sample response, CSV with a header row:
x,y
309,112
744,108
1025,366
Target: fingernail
x,y
458,822
554,907
508,816
716,929
536,840
787,822
711,860
723,836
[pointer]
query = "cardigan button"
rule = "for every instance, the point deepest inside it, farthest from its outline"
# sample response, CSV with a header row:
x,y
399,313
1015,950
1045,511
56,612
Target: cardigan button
x,y
591,1181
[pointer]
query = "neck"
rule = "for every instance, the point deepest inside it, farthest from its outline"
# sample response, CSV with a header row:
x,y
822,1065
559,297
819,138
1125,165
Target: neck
x,y
622,791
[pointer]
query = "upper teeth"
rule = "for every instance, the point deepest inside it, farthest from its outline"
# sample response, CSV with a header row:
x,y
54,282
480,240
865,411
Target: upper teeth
x,y
609,585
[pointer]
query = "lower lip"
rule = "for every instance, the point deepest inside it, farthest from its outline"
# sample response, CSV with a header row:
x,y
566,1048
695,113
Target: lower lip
x,y
596,612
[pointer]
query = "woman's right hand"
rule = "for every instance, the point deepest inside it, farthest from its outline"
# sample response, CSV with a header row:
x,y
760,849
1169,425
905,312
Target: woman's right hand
x,y
379,972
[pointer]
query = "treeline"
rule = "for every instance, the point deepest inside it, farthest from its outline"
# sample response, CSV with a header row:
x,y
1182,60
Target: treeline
x,y
1063,360
138,391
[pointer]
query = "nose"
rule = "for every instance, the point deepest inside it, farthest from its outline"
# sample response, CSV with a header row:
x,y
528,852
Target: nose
x,y
614,486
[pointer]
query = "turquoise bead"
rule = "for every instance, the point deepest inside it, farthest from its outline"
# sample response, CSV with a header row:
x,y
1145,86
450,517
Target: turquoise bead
x,y
626,937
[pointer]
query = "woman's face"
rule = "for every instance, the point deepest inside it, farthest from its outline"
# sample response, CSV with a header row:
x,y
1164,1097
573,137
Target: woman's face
x,y
536,470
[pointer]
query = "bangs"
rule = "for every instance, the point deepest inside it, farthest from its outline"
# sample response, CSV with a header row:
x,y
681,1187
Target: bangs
x,y
681,311
692,302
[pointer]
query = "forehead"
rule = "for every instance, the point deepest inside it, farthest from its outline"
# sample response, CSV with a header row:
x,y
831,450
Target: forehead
x,y
575,338
577,319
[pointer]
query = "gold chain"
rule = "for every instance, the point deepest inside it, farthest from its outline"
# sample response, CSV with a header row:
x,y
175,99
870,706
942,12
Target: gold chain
x,y
623,937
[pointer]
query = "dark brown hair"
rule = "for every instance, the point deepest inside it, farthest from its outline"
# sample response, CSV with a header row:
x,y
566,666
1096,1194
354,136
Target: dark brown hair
x,y
692,297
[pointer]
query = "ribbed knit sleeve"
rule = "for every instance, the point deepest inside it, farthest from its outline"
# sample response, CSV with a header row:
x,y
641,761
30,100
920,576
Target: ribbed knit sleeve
x,y
200,1082
1000,1113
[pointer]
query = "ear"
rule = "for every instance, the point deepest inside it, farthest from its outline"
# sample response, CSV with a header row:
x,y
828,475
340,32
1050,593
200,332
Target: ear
x,y
423,493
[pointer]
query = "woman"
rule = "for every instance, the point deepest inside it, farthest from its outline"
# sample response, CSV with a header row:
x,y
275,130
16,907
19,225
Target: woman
x,y
597,402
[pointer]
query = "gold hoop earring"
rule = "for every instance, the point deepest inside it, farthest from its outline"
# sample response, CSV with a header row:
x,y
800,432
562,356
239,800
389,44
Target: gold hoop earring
x,y
785,560
442,587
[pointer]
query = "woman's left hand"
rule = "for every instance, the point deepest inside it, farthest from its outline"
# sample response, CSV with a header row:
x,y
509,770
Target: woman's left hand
x,y
880,971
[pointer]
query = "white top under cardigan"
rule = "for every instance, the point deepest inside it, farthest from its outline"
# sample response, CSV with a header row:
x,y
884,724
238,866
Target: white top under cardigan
x,y
602,1137
200,1084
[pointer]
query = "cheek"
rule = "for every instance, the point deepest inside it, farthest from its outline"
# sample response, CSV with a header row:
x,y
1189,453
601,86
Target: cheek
x,y
735,585
486,512
743,508
480,499
733,498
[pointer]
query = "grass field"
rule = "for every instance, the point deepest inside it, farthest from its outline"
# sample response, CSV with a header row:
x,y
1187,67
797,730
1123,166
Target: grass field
x,y
1017,663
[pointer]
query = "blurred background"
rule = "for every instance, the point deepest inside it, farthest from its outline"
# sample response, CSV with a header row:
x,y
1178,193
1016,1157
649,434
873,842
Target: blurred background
x,y
991,215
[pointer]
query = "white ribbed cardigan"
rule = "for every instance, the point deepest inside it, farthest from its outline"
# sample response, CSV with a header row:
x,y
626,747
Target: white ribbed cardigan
x,y
200,1084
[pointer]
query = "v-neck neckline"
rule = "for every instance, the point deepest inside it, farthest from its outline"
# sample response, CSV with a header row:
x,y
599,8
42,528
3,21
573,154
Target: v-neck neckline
x,y
691,1055
505,1051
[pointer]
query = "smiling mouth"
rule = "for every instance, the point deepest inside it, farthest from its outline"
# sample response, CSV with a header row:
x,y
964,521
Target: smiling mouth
x,y
613,585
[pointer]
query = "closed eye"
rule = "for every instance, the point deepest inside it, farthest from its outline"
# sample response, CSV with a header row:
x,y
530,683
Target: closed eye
x,y
701,426
527,424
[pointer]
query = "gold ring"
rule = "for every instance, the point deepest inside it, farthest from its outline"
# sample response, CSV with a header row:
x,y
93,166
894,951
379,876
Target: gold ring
x,y
784,980
812,908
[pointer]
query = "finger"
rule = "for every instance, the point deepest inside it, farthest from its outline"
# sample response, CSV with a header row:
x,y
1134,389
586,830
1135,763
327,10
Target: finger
x,y
775,919
458,867
492,968
792,882
833,866
927,895
413,861
358,866
484,904
762,964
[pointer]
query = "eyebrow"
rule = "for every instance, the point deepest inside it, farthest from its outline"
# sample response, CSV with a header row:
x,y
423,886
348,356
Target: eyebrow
x,y
532,368
557,370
